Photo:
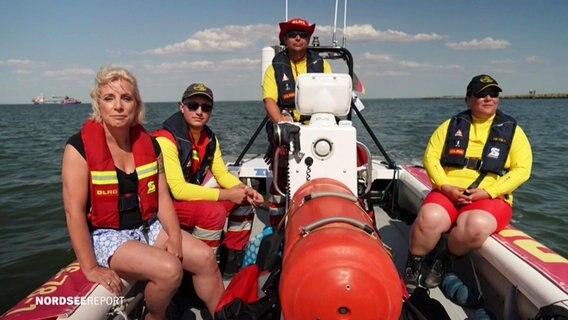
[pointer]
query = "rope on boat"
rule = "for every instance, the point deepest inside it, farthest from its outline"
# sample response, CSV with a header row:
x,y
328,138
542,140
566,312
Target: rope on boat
x,y
476,277
393,185
121,311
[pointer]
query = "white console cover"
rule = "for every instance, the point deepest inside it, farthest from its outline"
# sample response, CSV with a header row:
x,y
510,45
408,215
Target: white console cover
x,y
323,93
332,151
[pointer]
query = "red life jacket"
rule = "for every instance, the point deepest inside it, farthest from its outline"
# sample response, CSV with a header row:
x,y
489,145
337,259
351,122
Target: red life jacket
x,y
103,181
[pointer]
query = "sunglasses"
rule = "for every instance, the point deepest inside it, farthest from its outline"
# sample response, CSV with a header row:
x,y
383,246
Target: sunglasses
x,y
294,34
483,94
193,106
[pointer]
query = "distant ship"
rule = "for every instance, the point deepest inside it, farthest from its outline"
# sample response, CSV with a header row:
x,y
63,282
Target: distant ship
x,y
69,100
41,99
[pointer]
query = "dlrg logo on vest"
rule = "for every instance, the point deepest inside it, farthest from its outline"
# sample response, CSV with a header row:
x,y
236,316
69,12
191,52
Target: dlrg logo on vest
x,y
107,192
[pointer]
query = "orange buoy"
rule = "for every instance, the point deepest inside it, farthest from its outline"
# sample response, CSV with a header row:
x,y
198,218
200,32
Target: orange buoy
x,y
334,265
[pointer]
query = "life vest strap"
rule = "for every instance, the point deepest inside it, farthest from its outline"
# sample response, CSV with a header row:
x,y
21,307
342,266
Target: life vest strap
x,y
477,181
473,163
146,227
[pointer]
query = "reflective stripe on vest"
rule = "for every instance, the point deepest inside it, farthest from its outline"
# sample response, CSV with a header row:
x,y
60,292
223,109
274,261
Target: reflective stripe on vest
x,y
103,182
147,170
104,177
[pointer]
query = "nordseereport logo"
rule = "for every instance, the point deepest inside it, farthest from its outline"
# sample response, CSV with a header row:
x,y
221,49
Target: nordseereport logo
x,y
61,301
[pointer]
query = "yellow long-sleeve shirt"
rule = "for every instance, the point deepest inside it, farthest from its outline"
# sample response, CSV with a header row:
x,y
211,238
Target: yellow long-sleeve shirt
x,y
182,190
518,163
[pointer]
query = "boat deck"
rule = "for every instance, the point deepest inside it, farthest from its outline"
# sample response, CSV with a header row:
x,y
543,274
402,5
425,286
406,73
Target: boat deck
x,y
394,234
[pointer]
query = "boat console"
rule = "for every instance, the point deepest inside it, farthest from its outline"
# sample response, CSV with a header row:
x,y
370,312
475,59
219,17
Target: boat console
x,y
324,147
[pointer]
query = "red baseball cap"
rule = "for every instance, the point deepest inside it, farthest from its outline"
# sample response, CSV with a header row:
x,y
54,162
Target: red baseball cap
x,y
298,24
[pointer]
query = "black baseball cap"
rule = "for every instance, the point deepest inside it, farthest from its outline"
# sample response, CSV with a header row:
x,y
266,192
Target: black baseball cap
x,y
480,83
197,89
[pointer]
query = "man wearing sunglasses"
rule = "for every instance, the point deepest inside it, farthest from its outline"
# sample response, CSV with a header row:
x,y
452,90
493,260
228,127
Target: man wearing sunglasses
x,y
475,160
278,85
192,155
278,89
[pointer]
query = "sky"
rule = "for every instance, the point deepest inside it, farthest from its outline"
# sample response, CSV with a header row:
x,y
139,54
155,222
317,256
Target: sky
x,y
401,48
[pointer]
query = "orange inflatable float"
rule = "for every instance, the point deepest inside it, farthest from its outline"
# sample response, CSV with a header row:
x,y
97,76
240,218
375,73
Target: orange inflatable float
x,y
334,265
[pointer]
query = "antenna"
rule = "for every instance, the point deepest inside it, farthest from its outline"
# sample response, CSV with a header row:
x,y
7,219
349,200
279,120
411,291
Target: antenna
x,y
333,41
344,21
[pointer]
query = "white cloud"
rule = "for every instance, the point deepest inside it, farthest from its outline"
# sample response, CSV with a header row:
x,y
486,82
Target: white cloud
x,y
534,59
230,38
392,73
411,64
18,62
180,66
427,66
483,44
226,39
361,32
449,67
504,61
377,57
246,62
69,72
22,72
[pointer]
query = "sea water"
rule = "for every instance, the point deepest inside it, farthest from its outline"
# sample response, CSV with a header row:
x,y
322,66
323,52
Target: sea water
x,y
34,243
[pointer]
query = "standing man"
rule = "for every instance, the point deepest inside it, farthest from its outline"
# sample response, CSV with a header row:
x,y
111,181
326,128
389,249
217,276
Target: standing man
x,y
278,90
191,151
475,160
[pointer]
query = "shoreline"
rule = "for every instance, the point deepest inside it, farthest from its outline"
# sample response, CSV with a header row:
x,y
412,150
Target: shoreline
x,y
513,96
552,95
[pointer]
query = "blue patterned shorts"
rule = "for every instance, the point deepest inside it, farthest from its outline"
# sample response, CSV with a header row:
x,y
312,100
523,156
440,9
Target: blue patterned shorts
x,y
106,241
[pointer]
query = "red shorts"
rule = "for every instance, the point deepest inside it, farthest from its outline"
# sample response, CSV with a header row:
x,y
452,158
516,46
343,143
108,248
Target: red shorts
x,y
206,214
498,208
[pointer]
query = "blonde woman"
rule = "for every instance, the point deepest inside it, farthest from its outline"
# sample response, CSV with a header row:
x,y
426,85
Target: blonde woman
x,y
120,216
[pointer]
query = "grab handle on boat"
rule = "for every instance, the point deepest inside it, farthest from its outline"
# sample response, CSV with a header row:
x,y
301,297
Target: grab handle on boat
x,y
342,195
356,223
369,169
275,172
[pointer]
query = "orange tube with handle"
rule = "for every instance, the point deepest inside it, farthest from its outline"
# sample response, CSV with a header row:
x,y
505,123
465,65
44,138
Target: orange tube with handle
x,y
334,264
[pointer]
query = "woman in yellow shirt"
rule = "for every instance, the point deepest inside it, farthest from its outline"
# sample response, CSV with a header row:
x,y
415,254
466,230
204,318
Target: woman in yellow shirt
x,y
475,160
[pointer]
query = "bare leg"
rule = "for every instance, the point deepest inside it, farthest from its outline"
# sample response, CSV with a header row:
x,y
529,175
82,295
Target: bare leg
x,y
472,229
198,258
138,261
432,221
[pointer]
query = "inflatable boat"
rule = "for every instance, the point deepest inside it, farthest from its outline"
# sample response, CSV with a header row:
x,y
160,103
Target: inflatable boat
x,y
346,231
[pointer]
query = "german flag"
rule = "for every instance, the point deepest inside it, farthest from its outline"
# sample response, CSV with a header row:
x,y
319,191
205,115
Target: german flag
x,y
357,84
